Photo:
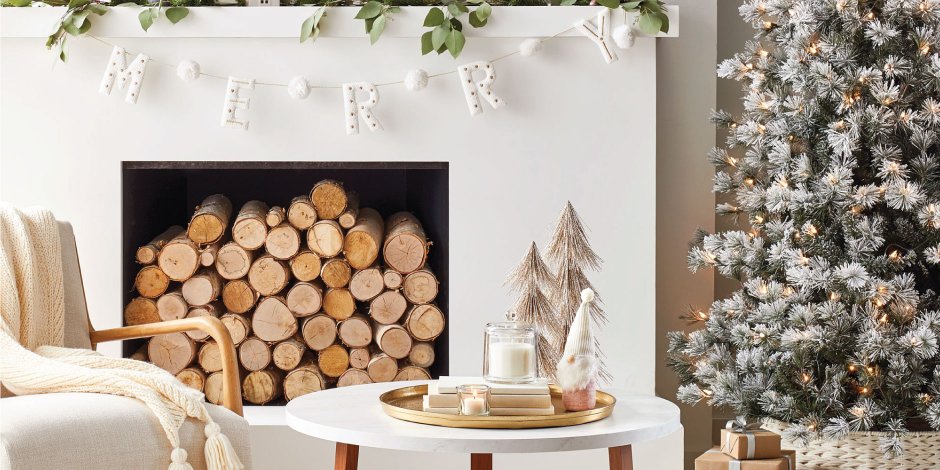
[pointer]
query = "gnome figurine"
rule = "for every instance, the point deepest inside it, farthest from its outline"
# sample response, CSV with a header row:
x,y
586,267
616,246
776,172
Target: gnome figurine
x,y
577,369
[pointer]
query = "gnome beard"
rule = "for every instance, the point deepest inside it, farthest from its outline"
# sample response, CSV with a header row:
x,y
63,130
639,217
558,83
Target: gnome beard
x,y
577,369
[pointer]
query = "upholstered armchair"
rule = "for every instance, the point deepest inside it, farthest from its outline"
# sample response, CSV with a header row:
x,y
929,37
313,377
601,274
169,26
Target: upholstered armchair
x,y
89,430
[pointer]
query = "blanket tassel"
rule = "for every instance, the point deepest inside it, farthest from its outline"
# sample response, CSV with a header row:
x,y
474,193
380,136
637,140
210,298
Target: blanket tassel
x,y
220,455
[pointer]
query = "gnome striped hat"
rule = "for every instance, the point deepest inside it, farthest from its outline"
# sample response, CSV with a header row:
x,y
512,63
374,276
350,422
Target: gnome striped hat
x,y
580,341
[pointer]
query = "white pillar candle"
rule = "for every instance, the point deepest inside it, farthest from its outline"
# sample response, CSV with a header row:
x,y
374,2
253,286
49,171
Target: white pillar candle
x,y
511,360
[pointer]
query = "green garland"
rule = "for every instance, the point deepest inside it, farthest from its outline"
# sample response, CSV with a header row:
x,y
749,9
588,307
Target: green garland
x,y
445,19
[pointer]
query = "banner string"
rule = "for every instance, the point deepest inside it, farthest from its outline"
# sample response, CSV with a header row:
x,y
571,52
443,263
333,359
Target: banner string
x,y
329,87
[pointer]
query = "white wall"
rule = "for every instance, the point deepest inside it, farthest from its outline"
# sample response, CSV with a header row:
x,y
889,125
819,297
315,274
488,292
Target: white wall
x,y
574,128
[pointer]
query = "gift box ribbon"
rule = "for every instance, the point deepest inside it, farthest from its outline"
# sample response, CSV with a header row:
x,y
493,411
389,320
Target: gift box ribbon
x,y
746,429
736,464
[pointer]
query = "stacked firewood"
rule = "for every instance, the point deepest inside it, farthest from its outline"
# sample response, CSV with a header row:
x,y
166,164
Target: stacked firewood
x,y
321,293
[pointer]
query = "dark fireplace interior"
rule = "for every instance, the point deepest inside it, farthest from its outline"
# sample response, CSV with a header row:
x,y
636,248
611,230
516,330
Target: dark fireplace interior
x,y
157,195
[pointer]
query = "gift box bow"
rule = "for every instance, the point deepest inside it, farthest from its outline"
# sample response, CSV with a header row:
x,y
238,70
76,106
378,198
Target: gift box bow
x,y
741,426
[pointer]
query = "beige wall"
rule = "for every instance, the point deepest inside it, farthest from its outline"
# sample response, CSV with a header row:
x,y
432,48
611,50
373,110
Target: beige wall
x,y
684,202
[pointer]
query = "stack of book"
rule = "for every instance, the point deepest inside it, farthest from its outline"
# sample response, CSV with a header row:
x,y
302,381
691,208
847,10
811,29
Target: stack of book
x,y
532,399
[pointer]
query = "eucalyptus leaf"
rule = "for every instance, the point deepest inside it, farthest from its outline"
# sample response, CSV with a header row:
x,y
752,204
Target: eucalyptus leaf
x,y
609,3
371,9
70,27
78,18
377,27
438,36
306,29
73,4
453,9
84,27
484,11
394,9
567,2
17,3
456,24
461,7
475,20
455,42
146,18
434,18
665,20
426,44
631,5
649,24
98,9
175,14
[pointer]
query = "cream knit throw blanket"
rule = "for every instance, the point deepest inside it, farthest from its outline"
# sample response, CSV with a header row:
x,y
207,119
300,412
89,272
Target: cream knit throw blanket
x,y
32,359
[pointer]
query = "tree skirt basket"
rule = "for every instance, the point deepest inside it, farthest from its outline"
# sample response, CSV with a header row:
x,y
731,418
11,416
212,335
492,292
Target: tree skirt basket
x,y
860,451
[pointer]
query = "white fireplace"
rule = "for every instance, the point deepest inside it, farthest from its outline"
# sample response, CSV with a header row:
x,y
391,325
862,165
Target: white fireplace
x,y
574,128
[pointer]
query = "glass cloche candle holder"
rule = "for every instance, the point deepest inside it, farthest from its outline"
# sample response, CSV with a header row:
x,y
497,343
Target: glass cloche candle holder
x,y
473,400
509,352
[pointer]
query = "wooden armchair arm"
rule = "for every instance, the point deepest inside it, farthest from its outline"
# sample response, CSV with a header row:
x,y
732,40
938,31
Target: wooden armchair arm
x,y
231,389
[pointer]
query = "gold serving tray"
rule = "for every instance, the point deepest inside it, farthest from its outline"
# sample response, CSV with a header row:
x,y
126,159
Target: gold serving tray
x,y
406,404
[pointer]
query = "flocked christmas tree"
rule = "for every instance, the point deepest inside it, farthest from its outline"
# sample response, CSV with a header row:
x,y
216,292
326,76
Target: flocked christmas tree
x,y
834,163
529,280
571,254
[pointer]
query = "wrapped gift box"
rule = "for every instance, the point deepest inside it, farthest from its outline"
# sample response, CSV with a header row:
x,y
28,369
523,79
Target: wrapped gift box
x,y
751,444
715,459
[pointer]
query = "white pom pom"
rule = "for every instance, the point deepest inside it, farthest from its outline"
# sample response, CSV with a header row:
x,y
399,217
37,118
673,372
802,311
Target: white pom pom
x,y
624,37
298,88
530,47
587,295
416,80
187,70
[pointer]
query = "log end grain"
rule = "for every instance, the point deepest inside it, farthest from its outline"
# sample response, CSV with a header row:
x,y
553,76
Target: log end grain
x,y
141,310
333,360
171,352
329,198
339,303
319,332
272,321
305,266
353,377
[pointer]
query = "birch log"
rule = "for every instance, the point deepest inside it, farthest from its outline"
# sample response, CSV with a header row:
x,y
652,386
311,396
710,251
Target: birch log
x,y
333,360
406,246
238,296
300,213
366,284
412,373
276,215
213,388
210,358
363,242
204,287
382,368
420,287
210,220
393,340
232,261
336,273
193,377
304,299
147,254
171,352
151,282
141,310
319,332
353,377
348,218
251,227
392,279
262,386
359,358
305,266
325,238
388,307
272,320
422,354
237,325
355,331
283,241
268,275
209,253
172,306
303,380
179,258
288,353
329,198
339,303
254,354
425,322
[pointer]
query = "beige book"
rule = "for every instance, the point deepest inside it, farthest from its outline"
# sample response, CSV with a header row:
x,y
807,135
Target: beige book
x,y
449,384
550,410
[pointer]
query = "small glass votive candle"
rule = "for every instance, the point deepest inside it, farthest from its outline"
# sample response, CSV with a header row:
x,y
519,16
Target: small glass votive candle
x,y
473,400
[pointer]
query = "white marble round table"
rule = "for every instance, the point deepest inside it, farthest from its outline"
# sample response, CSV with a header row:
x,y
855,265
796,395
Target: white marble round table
x,y
353,417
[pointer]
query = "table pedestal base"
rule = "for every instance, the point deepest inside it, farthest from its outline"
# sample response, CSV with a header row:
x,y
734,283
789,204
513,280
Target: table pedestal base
x,y
347,458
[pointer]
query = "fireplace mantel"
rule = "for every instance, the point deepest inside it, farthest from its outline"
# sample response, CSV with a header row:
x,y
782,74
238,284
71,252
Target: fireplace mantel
x,y
284,22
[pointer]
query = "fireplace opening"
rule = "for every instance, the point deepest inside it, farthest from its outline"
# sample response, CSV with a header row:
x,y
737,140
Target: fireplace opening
x,y
158,195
